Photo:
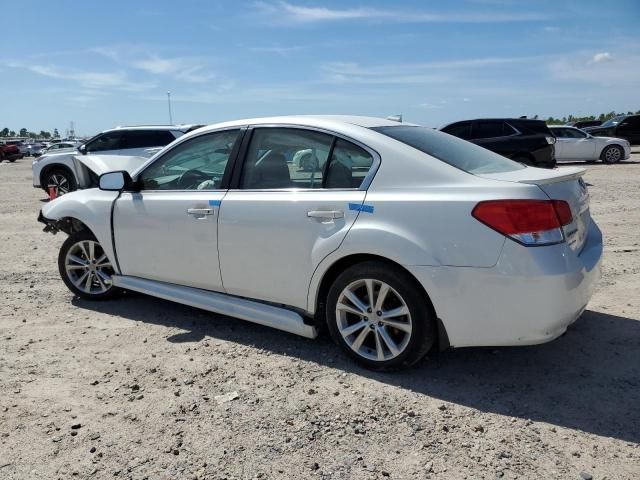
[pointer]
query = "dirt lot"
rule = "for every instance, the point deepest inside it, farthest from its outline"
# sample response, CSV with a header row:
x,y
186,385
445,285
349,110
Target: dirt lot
x,y
143,388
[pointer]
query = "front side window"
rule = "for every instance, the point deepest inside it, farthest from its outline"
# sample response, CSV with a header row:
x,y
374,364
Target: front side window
x,y
197,164
105,141
458,153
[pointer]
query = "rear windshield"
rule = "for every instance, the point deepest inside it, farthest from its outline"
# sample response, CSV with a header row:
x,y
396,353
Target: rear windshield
x,y
452,150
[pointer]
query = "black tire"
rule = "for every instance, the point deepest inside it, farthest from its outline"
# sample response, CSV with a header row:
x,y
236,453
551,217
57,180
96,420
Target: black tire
x,y
61,178
612,154
69,276
11,160
421,319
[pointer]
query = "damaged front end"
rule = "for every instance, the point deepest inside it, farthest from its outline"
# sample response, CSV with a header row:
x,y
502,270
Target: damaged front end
x,y
66,225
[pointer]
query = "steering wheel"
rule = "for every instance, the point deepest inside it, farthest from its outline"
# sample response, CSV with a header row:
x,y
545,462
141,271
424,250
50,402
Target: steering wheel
x,y
191,178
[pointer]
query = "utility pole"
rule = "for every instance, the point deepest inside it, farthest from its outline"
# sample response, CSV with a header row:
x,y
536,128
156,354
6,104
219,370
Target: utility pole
x,y
169,103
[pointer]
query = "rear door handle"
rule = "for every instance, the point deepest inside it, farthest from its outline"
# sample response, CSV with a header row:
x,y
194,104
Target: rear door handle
x,y
200,211
325,214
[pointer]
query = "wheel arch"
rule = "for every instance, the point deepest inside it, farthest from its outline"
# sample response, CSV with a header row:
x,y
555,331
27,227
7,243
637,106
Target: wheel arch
x,y
338,266
55,166
84,209
609,145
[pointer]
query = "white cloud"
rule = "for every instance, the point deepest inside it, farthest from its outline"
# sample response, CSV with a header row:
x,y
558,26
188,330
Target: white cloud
x,y
183,68
602,57
285,11
91,80
415,73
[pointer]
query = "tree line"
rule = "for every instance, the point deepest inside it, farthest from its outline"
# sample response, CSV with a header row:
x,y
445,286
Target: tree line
x,y
603,117
23,132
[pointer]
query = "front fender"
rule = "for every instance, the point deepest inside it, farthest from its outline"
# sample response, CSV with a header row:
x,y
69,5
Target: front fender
x,y
92,208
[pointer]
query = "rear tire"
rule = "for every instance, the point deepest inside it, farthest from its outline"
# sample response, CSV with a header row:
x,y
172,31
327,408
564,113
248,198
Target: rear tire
x,y
84,267
380,316
612,154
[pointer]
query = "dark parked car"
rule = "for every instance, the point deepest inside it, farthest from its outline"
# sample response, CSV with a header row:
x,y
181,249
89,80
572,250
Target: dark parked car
x,y
10,151
622,126
584,123
520,139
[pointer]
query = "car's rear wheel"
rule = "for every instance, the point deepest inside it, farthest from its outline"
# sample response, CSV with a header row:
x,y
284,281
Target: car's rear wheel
x,y
61,180
380,316
612,154
85,268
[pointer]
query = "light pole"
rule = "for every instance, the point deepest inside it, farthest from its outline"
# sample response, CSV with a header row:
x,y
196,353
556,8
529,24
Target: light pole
x,y
169,103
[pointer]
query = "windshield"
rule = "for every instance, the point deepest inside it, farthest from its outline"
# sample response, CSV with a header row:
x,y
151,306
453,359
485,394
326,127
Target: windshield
x,y
612,122
452,150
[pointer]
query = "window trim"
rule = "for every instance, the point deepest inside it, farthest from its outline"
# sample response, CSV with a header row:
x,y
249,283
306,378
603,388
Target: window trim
x,y
237,171
226,176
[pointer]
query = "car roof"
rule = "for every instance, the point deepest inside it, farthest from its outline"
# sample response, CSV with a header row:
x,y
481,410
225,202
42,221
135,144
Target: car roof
x,y
321,121
150,127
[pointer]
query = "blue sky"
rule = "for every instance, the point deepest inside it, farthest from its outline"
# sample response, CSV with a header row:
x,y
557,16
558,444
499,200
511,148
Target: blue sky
x,y
107,63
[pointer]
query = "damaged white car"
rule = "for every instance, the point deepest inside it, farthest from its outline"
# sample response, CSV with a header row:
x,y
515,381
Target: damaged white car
x,y
120,148
396,238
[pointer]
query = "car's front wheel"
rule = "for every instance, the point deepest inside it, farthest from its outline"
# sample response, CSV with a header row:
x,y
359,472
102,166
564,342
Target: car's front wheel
x,y
61,180
380,316
85,268
612,154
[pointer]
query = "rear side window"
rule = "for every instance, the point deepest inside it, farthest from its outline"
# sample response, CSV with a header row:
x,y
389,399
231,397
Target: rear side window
x,y
349,165
488,130
460,130
456,152
147,138
296,158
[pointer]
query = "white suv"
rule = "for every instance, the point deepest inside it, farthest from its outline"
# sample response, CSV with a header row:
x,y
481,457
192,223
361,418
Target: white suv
x,y
74,169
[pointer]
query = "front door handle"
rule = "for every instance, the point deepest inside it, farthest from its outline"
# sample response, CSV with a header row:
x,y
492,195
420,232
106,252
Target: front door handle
x,y
200,211
325,214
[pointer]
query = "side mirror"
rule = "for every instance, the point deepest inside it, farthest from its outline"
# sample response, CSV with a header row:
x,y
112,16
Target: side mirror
x,y
82,149
115,181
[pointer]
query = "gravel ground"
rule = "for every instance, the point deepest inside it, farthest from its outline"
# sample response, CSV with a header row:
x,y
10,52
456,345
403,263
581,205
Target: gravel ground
x,y
143,388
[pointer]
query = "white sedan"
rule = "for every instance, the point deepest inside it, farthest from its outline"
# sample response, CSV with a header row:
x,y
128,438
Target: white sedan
x,y
398,239
574,144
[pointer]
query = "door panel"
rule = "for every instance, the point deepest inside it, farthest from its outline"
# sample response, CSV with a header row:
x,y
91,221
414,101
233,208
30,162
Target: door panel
x,y
272,241
169,236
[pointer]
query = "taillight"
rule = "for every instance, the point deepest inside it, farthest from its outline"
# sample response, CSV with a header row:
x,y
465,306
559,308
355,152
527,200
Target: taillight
x,y
530,222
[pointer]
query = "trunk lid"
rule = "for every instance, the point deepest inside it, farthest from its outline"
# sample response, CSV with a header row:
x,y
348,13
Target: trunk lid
x,y
558,184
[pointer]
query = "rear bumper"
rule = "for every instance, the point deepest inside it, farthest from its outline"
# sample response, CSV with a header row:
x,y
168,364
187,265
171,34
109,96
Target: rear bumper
x,y
530,296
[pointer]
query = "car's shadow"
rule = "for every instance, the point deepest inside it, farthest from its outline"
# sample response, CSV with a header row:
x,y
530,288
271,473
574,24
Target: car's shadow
x,y
589,379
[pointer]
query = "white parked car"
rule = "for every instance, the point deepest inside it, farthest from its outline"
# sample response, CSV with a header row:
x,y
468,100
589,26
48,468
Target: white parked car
x,y
72,168
400,239
574,144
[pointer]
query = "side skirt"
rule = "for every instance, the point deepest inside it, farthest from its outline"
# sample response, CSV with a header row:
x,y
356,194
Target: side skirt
x,y
237,307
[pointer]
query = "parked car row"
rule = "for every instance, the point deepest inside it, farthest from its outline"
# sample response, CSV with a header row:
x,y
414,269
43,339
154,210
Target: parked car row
x,y
396,238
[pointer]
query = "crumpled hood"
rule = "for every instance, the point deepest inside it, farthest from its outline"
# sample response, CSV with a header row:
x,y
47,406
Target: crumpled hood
x,y
100,164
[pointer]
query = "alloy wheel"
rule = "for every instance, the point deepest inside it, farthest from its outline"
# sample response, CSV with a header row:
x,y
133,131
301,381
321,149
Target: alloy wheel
x,y
88,267
373,319
613,155
60,182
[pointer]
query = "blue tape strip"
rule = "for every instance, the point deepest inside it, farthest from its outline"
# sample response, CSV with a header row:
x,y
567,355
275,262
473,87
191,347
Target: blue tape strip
x,y
215,203
361,207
